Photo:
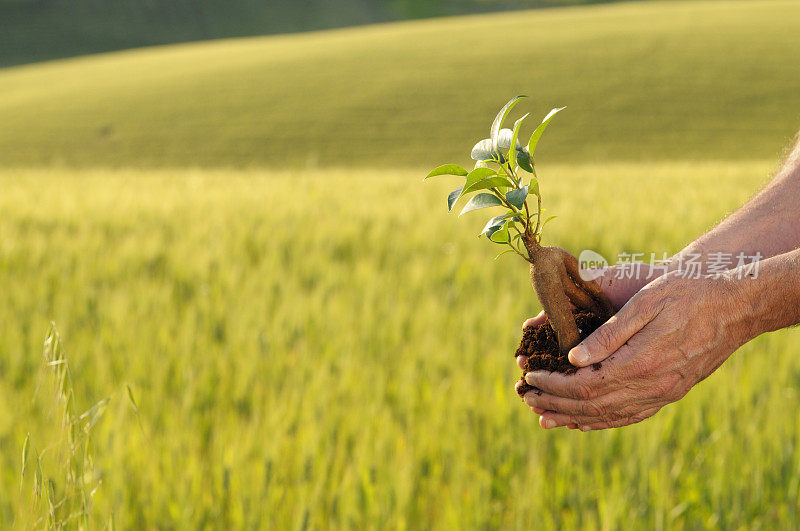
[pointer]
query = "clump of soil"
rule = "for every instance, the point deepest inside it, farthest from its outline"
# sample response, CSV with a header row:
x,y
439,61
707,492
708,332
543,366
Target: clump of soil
x,y
540,344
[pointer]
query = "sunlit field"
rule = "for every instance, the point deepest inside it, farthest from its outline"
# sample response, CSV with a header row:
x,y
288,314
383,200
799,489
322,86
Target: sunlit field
x,y
331,349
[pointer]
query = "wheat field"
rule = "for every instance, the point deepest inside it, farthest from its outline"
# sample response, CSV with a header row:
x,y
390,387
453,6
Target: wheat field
x,y
351,365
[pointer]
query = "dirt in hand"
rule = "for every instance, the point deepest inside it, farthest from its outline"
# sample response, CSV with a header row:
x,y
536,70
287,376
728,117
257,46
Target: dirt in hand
x,y
540,344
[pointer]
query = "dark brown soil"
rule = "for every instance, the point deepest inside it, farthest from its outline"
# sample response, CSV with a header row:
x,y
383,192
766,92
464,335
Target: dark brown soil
x,y
539,343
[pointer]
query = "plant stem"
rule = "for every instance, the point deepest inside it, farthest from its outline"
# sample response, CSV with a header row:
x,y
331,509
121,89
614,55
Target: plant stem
x,y
511,172
538,209
502,198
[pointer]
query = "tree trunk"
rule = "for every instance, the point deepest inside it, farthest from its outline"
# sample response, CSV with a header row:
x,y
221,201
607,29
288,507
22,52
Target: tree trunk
x,y
555,277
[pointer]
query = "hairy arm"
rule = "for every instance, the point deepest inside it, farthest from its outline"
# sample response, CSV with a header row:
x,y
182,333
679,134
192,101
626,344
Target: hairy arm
x,y
769,224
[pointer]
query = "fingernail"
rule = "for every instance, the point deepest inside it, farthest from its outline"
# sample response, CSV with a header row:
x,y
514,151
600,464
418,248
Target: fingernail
x,y
549,424
579,355
586,428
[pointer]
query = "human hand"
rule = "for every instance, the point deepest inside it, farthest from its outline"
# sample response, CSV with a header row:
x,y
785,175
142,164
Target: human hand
x,y
619,283
672,334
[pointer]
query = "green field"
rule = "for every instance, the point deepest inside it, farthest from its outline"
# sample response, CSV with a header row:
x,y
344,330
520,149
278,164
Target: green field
x,y
344,367
642,81
237,231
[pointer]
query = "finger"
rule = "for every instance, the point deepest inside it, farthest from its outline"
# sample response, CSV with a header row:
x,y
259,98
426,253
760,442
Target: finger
x,y
627,421
619,290
582,385
615,332
586,409
521,360
549,420
556,404
538,411
534,321
554,419
547,424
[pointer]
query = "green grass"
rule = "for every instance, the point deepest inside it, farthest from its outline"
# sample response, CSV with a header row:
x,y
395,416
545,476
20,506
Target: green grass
x,y
351,365
642,81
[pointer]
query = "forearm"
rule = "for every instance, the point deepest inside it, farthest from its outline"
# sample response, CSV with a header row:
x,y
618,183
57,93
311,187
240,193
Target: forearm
x,y
771,293
768,225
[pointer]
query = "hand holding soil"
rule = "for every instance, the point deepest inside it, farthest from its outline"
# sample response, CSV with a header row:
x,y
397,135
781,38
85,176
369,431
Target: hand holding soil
x,y
676,330
672,334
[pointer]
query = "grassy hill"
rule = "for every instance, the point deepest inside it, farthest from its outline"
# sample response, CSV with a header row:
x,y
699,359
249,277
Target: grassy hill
x,y
643,81
37,30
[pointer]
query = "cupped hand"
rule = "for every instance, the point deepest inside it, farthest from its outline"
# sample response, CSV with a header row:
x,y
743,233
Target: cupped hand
x,y
619,283
668,337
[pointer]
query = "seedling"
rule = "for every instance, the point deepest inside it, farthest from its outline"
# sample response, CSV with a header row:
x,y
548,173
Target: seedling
x,y
504,177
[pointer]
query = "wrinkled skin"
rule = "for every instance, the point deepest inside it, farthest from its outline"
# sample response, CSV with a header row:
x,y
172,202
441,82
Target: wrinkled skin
x,y
668,337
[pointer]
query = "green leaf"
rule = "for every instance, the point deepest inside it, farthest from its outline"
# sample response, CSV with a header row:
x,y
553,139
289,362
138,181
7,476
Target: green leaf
x,y
524,161
515,135
477,174
483,150
481,201
500,118
453,197
517,197
495,223
537,134
545,223
491,182
501,235
503,173
447,169
504,252
534,186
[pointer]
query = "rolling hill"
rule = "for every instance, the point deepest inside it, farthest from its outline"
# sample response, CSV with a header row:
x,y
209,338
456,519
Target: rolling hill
x,y
642,81
38,30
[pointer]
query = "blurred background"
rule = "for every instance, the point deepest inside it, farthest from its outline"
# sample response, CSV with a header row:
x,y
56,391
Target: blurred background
x,y
219,206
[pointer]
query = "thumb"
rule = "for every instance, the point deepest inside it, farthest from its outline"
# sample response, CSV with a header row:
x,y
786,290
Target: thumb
x,y
613,333
534,321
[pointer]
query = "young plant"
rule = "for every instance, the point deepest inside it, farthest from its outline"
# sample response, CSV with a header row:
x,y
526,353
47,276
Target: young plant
x,y
499,180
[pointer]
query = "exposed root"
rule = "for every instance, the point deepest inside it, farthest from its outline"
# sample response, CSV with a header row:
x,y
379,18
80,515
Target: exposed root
x,y
556,278
602,305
